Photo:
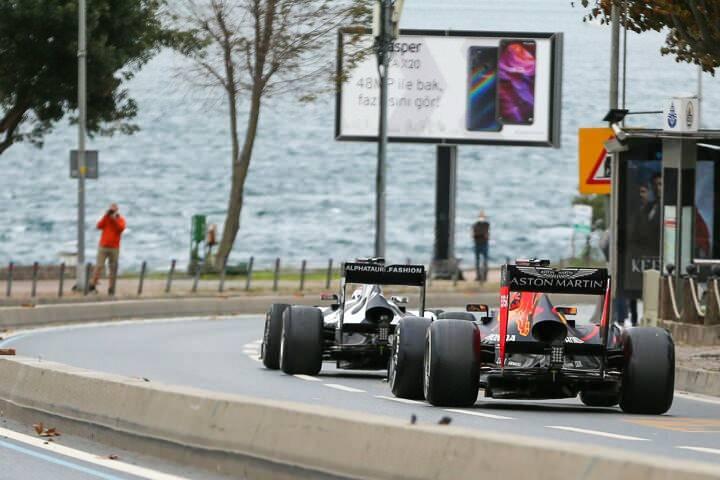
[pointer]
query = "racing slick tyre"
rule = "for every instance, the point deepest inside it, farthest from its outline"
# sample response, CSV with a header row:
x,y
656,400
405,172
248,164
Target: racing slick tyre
x,y
451,368
596,399
271,336
457,316
648,377
301,342
405,369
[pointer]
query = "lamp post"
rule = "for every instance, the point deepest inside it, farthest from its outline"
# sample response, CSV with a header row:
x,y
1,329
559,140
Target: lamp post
x,y
82,120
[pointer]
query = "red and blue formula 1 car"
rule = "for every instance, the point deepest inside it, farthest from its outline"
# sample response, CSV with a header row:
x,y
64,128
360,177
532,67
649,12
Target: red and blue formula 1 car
x,y
533,349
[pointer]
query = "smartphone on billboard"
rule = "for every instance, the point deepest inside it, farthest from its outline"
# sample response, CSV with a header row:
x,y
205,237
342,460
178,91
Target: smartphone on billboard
x,y
516,82
481,112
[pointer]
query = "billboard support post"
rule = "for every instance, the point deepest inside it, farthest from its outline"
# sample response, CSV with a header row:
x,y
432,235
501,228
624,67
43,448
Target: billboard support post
x,y
444,264
382,45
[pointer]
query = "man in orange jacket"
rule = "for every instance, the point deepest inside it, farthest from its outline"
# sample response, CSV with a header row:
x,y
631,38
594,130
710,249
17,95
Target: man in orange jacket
x,y
112,225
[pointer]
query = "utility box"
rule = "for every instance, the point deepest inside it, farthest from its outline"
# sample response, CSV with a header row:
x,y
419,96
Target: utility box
x,y
198,230
650,297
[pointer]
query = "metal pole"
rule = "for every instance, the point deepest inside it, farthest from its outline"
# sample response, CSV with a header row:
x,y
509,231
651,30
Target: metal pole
x,y
61,282
249,273
328,278
614,54
86,285
143,267
82,278
8,287
699,95
168,285
196,278
33,290
383,57
276,273
611,206
302,274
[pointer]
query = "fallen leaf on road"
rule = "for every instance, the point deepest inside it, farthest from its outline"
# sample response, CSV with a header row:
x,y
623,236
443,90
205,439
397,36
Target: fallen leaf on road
x,y
113,457
45,432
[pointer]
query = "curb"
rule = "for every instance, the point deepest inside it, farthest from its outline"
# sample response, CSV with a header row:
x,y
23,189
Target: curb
x,y
325,440
703,382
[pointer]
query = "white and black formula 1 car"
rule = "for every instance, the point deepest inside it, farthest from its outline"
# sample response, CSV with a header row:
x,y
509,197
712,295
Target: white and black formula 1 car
x,y
355,331
533,350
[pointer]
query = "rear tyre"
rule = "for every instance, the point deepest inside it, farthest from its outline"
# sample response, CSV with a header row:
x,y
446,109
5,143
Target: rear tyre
x,y
595,399
405,369
451,367
301,341
270,350
648,378
457,316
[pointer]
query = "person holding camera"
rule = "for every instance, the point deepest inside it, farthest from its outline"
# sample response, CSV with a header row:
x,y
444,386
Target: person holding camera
x,y
112,225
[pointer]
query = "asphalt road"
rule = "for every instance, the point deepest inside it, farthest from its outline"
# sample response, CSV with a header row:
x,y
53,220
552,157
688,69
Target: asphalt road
x,y
221,355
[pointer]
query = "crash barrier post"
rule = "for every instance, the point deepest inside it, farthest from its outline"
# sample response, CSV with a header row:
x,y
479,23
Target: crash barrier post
x,y
8,286
668,304
712,310
328,277
408,261
456,276
33,288
428,275
276,273
248,280
303,265
171,272
691,310
221,284
196,277
143,268
650,297
61,280
86,284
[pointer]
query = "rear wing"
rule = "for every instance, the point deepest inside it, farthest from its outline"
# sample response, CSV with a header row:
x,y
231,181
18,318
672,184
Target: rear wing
x,y
537,276
379,274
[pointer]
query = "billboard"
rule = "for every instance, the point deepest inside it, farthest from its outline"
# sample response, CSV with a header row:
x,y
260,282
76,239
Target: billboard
x,y
500,88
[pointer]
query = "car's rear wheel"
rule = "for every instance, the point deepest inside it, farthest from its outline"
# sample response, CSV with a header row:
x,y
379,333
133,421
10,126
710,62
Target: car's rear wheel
x,y
648,377
270,349
599,399
405,369
450,363
301,341
457,316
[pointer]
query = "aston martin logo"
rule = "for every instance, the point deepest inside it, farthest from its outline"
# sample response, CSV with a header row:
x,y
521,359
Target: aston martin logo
x,y
557,274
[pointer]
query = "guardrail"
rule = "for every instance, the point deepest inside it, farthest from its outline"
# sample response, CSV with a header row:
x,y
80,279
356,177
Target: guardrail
x,y
299,277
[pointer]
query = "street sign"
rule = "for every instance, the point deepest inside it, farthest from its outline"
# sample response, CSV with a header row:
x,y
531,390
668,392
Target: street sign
x,y
582,219
594,161
91,164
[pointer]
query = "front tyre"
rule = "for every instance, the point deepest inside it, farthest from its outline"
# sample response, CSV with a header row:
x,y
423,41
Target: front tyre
x,y
648,378
405,369
451,377
270,349
301,344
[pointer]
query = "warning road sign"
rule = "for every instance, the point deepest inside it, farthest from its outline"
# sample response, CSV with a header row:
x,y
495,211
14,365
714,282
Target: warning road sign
x,y
594,161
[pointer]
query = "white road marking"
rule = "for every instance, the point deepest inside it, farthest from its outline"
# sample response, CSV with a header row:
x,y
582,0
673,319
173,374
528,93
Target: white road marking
x,y
401,400
309,378
701,449
94,459
256,342
344,388
697,397
598,433
478,414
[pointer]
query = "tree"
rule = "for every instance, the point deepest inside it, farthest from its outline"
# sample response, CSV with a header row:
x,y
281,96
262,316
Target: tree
x,y
38,63
254,49
694,25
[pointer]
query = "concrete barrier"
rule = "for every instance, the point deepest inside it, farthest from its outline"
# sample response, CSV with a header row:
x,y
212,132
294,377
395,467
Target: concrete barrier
x,y
315,439
704,382
684,333
67,313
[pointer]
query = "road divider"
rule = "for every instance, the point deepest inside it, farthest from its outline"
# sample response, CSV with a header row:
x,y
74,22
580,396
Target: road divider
x,y
311,438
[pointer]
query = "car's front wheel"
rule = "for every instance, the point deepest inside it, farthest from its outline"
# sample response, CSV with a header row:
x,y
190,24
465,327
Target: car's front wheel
x,y
648,377
451,376
301,343
405,369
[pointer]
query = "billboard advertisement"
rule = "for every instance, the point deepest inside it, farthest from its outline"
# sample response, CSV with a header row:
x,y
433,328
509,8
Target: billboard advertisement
x,y
456,87
641,214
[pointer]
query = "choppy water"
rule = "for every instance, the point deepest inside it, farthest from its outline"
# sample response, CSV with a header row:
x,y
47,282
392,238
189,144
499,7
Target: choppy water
x,y
311,197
